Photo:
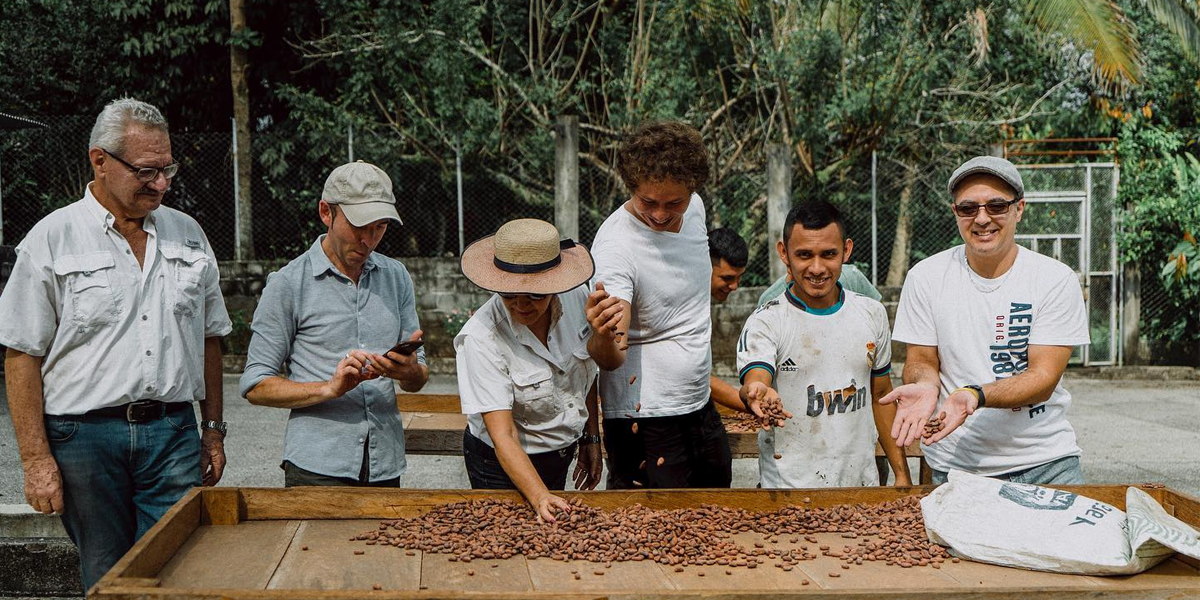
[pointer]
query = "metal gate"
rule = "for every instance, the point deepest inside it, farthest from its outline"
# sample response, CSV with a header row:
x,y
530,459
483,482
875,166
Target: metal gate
x,y
1070,215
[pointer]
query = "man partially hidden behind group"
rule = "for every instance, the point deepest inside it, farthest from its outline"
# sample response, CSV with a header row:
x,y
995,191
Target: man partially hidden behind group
x,y
333,315
113,318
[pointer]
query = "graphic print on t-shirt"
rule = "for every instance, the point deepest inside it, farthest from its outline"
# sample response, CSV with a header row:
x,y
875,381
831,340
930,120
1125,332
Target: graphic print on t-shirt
x,y
1009,354
849,398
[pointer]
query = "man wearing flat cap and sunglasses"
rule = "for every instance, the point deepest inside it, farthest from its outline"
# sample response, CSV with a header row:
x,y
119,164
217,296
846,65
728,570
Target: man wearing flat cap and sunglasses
x,y
335,316
525,377
990,326
113,318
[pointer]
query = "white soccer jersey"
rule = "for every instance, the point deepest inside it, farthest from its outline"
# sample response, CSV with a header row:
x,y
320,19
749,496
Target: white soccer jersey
x,y
822,362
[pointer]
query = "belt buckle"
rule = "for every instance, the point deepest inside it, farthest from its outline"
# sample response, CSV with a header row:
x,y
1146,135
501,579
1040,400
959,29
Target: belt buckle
x,y
143,411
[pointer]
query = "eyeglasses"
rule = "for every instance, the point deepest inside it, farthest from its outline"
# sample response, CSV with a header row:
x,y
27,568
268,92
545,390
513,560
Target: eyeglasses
x,y
147,174
532,297
995,207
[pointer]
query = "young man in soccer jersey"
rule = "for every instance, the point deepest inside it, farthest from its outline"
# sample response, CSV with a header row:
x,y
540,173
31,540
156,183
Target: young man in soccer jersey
x,y
825,352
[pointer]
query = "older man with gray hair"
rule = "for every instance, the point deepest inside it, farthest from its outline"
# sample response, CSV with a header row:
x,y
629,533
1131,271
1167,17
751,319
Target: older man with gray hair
x,y
113,318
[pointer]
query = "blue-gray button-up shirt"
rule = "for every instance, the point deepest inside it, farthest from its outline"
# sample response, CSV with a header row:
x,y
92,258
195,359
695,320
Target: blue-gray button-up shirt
x,y
310,315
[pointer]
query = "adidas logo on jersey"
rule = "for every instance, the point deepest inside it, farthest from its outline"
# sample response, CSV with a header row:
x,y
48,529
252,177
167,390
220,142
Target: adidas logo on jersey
x,y
788,365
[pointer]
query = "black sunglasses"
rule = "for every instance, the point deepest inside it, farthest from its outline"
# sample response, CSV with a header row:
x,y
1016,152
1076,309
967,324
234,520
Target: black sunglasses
x,y
995,207
533,297
146,174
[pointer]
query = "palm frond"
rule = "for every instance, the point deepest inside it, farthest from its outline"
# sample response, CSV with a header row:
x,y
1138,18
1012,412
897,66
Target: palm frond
x,y
1097,25
1180,20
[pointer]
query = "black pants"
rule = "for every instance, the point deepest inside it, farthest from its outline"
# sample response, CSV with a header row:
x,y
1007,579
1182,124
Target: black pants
x,y
626,455
693,450
486,473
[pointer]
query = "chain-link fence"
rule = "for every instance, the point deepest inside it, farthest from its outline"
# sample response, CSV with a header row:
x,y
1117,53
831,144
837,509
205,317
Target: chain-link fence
x,y
43,169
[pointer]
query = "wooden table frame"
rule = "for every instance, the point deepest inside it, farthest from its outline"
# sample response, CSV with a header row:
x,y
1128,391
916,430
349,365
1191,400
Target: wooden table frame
x,y
149,570
434,423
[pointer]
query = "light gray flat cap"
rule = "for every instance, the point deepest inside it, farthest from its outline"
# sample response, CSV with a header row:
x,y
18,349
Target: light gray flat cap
x,y
991,165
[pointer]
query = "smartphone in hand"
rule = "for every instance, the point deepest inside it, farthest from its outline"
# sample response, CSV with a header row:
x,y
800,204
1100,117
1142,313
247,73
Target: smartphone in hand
x,y
407,347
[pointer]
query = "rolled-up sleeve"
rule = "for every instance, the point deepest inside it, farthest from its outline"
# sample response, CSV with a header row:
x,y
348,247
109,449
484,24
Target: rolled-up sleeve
x,y
30,300
272,332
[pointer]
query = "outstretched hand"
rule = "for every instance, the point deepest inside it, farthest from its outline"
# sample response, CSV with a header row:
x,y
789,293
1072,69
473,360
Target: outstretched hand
x,y
763,401
915,403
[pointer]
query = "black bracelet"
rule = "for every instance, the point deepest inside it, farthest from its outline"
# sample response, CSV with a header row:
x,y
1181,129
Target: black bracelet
x,y
588,439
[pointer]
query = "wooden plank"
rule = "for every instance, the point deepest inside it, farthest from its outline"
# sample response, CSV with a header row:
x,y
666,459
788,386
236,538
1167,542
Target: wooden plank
x,y
241,556
439,573
434,433
1166,575
321,556
147,557
979,575
137,582
430,403
351,503
221,506
556,576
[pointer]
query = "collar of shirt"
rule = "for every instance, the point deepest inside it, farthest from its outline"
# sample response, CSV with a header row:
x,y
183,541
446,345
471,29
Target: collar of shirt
x,y
105,217
321,264
555,350
798,303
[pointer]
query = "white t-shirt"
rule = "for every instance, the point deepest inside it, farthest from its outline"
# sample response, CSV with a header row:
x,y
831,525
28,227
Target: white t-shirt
x,y
503,366
666,277
822,362
982,329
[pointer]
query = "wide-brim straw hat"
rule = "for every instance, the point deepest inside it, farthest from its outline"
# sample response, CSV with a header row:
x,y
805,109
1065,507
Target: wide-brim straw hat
x,y
525,256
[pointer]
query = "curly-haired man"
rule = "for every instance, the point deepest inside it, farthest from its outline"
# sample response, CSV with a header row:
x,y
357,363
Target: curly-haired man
x,y
653,283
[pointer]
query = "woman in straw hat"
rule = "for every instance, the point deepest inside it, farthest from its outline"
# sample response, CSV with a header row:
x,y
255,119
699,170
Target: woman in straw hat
x,y
525,378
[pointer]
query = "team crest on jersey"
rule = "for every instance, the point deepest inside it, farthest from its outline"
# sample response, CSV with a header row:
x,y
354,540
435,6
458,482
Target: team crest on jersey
x,y
788,365
871,354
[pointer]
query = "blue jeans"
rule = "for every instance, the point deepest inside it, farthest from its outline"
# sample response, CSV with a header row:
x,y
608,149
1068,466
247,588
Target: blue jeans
x,y
119,478
1063,471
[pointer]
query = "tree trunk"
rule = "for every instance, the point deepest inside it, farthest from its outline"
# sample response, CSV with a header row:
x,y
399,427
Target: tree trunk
x,y
902,243
238,63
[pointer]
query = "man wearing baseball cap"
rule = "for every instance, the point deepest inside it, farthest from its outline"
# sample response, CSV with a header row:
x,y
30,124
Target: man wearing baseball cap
x,y
333,316
990,326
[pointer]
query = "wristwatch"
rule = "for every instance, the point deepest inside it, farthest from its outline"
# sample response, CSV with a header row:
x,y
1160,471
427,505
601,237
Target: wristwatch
x,y
217,426
588,439
978,389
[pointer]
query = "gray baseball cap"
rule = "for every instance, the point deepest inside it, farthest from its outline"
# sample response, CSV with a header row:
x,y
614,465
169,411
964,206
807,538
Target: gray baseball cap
x,y
363,191
991,165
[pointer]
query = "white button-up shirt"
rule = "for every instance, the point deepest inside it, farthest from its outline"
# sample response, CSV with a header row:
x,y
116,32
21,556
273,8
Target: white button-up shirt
x,y
109,330
503,366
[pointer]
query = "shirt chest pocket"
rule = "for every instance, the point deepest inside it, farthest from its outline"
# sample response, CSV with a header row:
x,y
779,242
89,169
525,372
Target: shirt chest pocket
x,y
92,299
534,397
185,266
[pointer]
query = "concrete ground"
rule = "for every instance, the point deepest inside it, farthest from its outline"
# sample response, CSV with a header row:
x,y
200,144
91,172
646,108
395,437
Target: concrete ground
x,y
1130,432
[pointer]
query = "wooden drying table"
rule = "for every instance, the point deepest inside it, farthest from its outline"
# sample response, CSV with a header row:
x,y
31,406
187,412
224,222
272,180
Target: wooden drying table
x,y
246,543
434,423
